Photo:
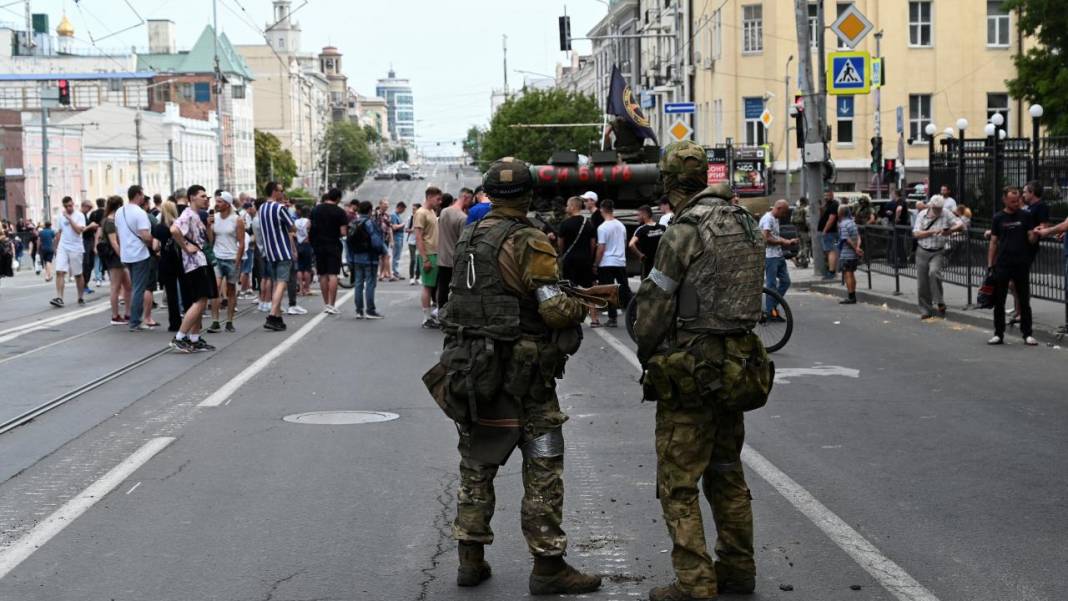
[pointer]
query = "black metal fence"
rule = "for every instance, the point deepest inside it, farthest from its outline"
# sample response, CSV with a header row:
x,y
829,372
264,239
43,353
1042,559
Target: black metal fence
x,y
890,251
977,170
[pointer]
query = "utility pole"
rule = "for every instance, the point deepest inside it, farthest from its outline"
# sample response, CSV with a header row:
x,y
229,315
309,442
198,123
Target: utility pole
x,y
815,151
218,95
879,120
504,45
44,161
137,140
170,163
786,126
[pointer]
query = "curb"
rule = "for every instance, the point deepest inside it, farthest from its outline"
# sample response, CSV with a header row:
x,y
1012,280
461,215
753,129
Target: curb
x,y
980,318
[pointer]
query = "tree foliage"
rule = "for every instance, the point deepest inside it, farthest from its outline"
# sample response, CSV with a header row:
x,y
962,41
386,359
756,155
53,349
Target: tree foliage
x,y
1040,74
271,158
540,106
345,147
472,144
371,135
398,153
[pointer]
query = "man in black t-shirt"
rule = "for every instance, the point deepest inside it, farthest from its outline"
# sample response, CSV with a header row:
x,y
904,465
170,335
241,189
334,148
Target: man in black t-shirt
x,y
89,240
646,239
828,226
576,242
1012,240
329,224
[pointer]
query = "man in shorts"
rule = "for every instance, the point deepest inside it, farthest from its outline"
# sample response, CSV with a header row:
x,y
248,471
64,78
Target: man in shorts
x,y
69,251
828,226
279,250
850,252
198,280
329,225
425,227
226,231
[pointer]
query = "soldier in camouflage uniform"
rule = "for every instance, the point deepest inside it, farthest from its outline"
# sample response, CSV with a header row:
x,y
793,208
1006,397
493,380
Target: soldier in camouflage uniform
x,y
509,329
705,367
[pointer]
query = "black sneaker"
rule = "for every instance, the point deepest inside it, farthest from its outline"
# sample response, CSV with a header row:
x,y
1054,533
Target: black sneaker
x,y
230,327
214,328
56,302
81,302
374,315
274,324
201,346
611,323
182,346
430,324
848,301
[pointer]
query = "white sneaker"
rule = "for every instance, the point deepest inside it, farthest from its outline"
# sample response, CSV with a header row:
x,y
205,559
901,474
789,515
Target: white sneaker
x,y
1030,341
330,310
411,282
995,340
296,310
264,307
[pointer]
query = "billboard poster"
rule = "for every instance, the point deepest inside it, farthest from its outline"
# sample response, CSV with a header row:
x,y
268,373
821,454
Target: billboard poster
x,y
750,173
717,166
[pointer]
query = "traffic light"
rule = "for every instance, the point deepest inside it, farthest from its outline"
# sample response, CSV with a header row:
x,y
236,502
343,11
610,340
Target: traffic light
x,y
876,153
64,92
889,171
565,33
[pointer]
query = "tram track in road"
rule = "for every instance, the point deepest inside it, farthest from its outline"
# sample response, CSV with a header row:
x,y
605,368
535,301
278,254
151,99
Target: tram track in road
x,y
41,409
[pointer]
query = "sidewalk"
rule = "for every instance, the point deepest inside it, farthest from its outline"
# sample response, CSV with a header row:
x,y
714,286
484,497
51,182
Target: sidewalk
x,y
1047,316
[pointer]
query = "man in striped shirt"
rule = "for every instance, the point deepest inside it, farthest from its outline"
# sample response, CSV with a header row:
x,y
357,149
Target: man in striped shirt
x,y
278,244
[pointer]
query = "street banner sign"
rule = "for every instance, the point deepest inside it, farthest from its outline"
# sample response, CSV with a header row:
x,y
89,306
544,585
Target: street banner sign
x,y
878,74
680,131
849,73
679,108
845,107
753,108
851,26
766,118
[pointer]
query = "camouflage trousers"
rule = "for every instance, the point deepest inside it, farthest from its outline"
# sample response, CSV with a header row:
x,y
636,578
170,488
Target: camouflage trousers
x,y
697,444
541,513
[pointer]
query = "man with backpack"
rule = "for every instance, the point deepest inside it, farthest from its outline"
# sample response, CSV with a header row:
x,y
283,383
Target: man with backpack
x,y
366,246
704,368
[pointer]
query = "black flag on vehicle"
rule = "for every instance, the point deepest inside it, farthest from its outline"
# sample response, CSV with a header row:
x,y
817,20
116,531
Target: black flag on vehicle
x,y
623,104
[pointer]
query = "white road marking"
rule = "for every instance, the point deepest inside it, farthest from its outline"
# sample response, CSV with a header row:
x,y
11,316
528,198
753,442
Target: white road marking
x,y
49,345
890,575
893,578
781,374
227,390
133,488
44,531
41,324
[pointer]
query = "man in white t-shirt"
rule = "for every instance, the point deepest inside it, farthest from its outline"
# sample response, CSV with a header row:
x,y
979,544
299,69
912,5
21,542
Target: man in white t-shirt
x,y
611,259
667,212
948,204
776,274
226,232
135,241
69,250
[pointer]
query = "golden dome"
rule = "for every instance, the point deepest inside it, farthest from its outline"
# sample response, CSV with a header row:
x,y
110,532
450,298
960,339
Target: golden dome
x,y
65,29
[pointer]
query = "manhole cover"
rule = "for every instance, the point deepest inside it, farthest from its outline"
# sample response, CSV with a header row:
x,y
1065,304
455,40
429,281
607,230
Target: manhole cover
x,y
340,418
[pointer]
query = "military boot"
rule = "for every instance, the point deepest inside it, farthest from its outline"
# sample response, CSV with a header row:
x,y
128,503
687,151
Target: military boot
x,y
473,567
552,576
672,592
731,582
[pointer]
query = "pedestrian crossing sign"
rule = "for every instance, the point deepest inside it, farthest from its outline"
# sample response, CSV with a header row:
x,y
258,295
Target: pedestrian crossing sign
x,y
849,73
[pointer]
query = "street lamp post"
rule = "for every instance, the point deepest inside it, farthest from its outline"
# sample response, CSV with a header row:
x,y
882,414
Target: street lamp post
x,y
930,130
962,124
1036,114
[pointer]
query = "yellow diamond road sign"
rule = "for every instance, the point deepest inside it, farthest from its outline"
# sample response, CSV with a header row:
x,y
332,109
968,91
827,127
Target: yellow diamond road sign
x,y
680,131
851,26
766,118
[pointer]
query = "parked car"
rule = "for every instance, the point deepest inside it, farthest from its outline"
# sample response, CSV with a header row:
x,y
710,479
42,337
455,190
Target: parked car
x,y
383,175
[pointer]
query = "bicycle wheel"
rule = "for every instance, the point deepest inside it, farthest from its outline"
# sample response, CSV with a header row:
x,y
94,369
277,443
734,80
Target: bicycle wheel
x,y
630,316
775,330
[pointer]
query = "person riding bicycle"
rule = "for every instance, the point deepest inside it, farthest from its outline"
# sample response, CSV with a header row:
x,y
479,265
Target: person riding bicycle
x,y
704,366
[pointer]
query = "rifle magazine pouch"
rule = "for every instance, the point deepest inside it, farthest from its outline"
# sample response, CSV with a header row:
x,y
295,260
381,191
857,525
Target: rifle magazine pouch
x,y
519,373
748,373
471,377
656,381
436,382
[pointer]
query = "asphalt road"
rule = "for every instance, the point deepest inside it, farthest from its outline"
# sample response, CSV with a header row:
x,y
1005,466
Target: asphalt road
x,y
904,458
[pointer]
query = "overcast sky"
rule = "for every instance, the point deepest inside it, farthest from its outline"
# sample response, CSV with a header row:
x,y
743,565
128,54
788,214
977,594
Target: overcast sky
x,y
451,50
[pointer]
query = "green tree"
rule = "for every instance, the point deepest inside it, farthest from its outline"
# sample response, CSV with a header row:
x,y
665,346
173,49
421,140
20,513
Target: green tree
x,y
1040,74
398,153
346,148
371,135
273,161
540,106
472,144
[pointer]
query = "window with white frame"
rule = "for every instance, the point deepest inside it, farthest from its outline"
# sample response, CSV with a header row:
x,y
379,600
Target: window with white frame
x,y
752,28
715,33
997,24
755,132
842,6
813,26
844,135
920,23
998,102
919,116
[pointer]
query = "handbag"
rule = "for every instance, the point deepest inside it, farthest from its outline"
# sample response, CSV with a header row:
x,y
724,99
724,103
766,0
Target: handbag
x,y
985,298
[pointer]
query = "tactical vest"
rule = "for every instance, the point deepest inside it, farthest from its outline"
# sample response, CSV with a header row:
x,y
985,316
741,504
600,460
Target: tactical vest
x,y
480,304
722,291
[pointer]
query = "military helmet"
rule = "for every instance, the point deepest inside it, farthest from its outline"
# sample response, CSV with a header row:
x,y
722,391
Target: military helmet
x,y
684,165
508,178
